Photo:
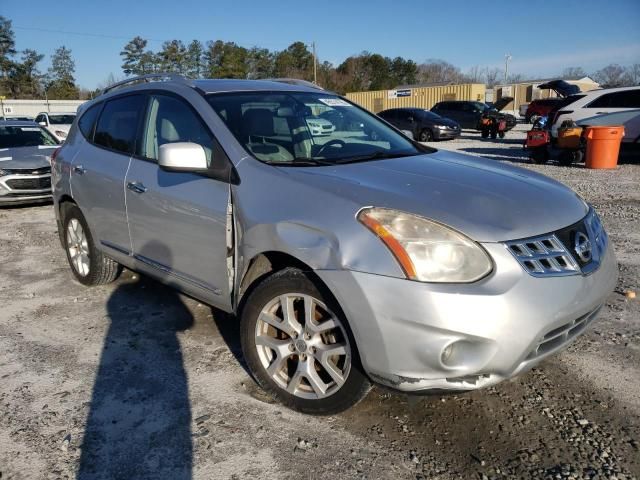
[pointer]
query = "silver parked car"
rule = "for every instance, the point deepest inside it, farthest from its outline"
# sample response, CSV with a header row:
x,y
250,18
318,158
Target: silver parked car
x,y
25,166
351,258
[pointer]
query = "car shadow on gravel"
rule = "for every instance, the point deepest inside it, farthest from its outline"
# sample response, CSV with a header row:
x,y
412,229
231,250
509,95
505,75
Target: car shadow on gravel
x,y
139,422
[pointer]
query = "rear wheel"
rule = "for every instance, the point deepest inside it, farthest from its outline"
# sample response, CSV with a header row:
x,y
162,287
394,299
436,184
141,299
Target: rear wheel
x,y
298,345
89,265
540,155
425,135
568,157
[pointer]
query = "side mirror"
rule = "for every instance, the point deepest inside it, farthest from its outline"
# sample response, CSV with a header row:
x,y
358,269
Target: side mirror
x,y
44,124
182,157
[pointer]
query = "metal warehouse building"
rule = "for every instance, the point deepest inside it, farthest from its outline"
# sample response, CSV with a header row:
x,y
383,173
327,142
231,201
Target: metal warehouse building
x,y
31,108
420,96
526,91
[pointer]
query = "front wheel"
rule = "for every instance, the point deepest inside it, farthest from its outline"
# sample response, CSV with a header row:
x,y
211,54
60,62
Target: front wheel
x,y
425,135
89,265
298,345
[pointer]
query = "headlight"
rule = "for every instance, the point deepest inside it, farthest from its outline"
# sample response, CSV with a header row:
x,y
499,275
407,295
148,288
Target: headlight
x,y
61,134
427,251
313,125
3,172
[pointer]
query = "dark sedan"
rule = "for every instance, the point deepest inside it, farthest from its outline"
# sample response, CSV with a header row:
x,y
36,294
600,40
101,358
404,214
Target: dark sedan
x,y
25,166
423,124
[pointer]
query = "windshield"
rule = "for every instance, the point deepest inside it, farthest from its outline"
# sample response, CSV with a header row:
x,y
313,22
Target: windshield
x,y
61,119
25,136
430,115
299,128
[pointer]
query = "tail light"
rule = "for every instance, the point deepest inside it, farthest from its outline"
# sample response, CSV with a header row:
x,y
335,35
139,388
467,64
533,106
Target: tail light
x,y
558,113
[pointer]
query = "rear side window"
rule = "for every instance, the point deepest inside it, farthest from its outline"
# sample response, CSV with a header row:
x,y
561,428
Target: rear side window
x,y
118,123
88,120
389,114
625,99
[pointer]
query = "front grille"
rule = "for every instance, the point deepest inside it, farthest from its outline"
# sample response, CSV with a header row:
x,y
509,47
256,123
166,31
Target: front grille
x,y
561,335
543,256
561,252
26,171
29,183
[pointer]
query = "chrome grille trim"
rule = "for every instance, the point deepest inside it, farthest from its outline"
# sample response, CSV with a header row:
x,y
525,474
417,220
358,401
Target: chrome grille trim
x,y
548,256
543,256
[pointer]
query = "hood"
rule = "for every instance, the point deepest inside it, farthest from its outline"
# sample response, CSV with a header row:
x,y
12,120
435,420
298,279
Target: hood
x,y
65,127
562,88
502,102
486,200
444,121
27,158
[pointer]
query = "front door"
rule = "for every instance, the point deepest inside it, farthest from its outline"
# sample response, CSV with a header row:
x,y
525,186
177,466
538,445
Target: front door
x,y
178,220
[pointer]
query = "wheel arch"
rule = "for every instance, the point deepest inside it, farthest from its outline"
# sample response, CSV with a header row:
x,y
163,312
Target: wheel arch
x,y
263,265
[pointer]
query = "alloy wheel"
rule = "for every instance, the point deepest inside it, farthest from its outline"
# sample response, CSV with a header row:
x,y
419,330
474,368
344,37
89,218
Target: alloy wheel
x,y
78,247
303,346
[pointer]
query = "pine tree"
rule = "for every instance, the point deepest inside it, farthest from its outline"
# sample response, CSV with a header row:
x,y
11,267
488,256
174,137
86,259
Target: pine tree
x,y
62,83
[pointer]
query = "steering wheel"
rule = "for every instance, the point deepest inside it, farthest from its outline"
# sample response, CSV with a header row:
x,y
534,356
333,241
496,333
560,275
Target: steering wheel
x,y
335,141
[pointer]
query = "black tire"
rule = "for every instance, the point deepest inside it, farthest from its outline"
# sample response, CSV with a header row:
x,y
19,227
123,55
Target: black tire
x,y
484,133
501,134
567,157
101,269
425,135
540,156
293,281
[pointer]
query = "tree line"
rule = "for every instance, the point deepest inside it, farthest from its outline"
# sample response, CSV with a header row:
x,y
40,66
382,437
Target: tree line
x,y
20,76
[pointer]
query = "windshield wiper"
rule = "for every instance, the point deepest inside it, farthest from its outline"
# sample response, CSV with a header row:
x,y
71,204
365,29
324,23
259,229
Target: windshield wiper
x,y
378,155
300,162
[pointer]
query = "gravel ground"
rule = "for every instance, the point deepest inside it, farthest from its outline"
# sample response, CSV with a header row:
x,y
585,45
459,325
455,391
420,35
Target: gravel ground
x,y
137,371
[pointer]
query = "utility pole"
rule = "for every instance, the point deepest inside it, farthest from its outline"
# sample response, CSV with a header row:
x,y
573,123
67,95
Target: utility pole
x,y
507,57
315,63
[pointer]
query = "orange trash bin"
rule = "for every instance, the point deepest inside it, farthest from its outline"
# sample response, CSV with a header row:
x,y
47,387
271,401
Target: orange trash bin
x,y
603,146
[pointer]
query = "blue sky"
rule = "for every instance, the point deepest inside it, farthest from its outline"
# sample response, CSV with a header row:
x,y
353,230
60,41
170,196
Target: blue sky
x,y
542,37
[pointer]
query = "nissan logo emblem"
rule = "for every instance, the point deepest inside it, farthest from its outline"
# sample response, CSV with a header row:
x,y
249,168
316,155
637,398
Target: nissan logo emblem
x,y
582,247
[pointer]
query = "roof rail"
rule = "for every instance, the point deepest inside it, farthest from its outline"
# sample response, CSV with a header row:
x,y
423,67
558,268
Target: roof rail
x,y
295,81
150,77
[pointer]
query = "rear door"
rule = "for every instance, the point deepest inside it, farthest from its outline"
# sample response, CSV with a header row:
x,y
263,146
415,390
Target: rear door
x,y
99,169
178,220
611,103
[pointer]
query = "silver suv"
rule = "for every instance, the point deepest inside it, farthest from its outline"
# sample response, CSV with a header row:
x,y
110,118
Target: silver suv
x,y
349,258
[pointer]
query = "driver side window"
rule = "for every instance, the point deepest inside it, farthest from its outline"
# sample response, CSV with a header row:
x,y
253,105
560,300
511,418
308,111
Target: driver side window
x,y
170,120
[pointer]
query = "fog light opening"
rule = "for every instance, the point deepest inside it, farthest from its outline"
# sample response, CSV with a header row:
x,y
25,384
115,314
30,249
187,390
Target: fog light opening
x,y
446,354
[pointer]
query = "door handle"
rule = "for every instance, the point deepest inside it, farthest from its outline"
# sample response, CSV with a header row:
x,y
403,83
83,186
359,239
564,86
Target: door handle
x,y
601,113
79,169
136,187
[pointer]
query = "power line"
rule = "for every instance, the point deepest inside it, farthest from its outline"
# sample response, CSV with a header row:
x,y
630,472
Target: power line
x,y
82,34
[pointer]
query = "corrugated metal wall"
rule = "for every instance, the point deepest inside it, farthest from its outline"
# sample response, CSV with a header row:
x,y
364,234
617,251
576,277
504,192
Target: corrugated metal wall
x,y
422,97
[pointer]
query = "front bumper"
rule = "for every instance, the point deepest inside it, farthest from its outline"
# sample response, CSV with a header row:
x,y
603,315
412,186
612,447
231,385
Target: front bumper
x,y
441,134
499,327
14,192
